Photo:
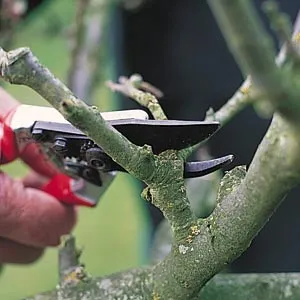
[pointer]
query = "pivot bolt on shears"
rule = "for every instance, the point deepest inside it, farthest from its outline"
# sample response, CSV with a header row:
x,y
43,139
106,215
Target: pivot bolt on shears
x,y
80,171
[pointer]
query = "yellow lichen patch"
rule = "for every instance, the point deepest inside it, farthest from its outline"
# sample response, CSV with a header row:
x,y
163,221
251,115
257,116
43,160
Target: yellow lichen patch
x,y
297,37
189,238
156,296
71,277
182,189
170,204
75,276
195,230
245,89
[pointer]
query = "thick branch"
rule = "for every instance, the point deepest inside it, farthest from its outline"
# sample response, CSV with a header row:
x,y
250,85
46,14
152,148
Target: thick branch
x,y
237,219
244,95
252,286
127,285
255,54
224,286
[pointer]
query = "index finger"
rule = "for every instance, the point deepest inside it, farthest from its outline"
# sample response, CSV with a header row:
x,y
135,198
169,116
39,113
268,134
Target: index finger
x,y
36,159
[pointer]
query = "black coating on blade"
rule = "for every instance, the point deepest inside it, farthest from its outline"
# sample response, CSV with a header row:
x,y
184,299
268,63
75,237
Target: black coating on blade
x,y
195,168
75,142
201,168
85,172
161,135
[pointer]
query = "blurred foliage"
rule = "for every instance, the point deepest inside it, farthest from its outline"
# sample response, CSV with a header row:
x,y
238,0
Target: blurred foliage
x,y
115,234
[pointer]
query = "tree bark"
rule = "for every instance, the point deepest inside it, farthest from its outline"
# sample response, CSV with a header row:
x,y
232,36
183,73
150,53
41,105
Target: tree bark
x,y
277,286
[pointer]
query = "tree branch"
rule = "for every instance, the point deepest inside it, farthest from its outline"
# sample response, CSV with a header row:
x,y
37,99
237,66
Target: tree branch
x,y
244,95
11,12
240,100
76,82
295,41
255,54
68,257
88,44
22,67
162,173
224,286
131,87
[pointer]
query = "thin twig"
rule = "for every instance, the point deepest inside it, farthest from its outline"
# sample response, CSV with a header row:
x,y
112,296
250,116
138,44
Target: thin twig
x,y
87,58
131,87
68,258
233,106
77,44
282,26
11,13
133,4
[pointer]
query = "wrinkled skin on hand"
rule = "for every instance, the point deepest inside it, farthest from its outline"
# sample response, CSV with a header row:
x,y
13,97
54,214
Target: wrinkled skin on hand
x,y
30,220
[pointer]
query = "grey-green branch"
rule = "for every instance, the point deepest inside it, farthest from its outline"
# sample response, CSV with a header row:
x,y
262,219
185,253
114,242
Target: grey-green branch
x,y
254,51
222,287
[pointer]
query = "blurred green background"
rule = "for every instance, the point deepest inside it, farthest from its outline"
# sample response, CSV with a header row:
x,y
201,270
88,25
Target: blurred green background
x,y
115,234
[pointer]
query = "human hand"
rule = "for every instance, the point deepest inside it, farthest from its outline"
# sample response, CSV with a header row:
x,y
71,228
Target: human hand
x,y
30,219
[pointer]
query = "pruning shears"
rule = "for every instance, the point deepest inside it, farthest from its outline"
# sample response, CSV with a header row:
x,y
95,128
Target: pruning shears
x,y
79,170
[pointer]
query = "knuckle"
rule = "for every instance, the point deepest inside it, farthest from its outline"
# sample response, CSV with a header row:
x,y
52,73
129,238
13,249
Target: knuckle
x,y
54,227
32,217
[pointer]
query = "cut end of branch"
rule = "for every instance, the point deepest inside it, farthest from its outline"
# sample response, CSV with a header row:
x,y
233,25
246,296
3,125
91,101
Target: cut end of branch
x,y
8,58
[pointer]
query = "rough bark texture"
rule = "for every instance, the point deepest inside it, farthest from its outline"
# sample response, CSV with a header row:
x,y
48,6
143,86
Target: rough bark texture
x,y
222,287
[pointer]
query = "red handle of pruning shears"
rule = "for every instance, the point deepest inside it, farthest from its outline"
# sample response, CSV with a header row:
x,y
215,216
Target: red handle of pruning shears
x,y
8,146
60,185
